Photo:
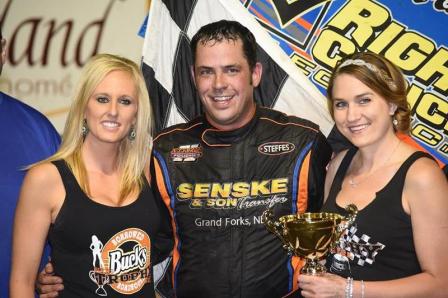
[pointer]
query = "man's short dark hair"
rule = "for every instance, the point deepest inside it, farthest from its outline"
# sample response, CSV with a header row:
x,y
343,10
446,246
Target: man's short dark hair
x,y
228,30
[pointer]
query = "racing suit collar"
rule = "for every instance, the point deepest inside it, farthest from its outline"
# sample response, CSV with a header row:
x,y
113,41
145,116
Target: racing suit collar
x,y
213,136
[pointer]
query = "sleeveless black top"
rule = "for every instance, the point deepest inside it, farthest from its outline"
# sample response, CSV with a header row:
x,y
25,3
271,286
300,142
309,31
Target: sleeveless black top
x,y
380,244
101,250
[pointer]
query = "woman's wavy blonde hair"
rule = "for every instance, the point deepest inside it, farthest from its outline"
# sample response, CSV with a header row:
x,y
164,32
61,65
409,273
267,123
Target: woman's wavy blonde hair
x,y
133,155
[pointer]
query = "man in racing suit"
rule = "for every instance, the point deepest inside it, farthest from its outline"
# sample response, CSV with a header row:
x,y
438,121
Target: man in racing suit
x,y
220,171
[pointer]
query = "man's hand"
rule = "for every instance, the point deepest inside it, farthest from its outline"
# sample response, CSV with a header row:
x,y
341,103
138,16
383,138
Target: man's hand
x,y
47,284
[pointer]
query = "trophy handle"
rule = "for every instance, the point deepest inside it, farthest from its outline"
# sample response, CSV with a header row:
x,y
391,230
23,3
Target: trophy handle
x,y
348,220
275,227
346,223
352,213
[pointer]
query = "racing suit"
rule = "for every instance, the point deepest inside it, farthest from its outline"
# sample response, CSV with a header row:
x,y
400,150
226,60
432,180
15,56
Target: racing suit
x,y
216,185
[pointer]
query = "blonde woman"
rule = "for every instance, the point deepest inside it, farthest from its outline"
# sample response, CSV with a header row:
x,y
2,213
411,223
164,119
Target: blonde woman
x,y
92,198
397,245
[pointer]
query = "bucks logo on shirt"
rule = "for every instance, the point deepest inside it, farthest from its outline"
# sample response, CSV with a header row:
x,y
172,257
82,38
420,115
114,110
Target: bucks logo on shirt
x,y
122,263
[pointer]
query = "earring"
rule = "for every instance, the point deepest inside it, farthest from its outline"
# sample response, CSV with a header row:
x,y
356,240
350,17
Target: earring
x,y
84,128
395,122
131,135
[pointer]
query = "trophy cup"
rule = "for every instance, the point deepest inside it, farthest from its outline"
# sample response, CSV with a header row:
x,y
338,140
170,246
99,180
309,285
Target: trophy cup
x,y
310,235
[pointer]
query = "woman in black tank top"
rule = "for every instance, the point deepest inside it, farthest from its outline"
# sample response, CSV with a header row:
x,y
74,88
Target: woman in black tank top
x,y
398,242
92,197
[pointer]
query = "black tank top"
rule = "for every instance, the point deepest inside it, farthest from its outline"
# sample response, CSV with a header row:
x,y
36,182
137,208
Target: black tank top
x,y
380,244
100,250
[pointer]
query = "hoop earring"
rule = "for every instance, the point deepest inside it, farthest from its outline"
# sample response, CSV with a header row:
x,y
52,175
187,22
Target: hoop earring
x,y
84,128
132,134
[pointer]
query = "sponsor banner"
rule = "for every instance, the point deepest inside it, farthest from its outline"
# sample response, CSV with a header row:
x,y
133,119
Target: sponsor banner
x,y
50,40
316,34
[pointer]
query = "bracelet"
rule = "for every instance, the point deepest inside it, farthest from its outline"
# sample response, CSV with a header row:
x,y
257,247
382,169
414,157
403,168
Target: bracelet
x,y
362,288
349,288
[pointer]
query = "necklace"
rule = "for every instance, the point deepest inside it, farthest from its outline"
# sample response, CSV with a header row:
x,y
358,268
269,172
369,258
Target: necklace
x,y
354,184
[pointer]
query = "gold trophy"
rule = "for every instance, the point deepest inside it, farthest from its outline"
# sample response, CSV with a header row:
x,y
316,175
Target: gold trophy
x,y
310,235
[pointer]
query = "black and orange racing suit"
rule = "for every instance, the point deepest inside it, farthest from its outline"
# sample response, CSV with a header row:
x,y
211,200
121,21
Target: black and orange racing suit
x,y
216,185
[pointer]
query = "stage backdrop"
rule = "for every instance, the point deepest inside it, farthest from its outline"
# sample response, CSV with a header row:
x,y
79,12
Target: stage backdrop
x,y
50,40
299,45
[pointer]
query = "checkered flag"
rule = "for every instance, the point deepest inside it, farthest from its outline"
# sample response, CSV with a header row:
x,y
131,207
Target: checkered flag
x,y
167,61
359,249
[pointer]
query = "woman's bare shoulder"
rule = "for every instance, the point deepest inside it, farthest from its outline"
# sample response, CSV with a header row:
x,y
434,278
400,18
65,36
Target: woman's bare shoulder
x,y
43,182
44,174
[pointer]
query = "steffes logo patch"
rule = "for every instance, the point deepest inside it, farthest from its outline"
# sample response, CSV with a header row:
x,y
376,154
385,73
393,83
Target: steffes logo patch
x,y
186,153
276,148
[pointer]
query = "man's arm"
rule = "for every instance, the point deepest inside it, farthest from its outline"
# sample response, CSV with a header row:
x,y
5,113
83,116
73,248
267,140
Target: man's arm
x,y
320,157
163,244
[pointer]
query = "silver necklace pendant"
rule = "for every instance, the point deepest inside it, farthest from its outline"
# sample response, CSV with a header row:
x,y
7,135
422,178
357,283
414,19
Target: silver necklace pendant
x,y
354,184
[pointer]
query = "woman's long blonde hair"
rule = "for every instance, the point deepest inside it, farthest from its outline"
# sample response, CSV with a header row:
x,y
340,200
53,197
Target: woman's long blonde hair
x,y
133,155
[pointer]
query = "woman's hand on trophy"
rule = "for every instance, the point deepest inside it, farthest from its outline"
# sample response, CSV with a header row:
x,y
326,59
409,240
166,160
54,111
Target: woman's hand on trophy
x,y
326,285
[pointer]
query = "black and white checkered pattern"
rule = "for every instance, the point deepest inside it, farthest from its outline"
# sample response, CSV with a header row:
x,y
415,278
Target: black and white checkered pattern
x,y
167,61
359,249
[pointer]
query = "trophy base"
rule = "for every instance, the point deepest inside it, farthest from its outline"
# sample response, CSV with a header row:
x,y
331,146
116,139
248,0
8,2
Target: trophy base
x,y
313,268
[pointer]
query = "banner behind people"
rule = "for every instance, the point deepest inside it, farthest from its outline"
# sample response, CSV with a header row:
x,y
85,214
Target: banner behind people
x,y
313,35
50,40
